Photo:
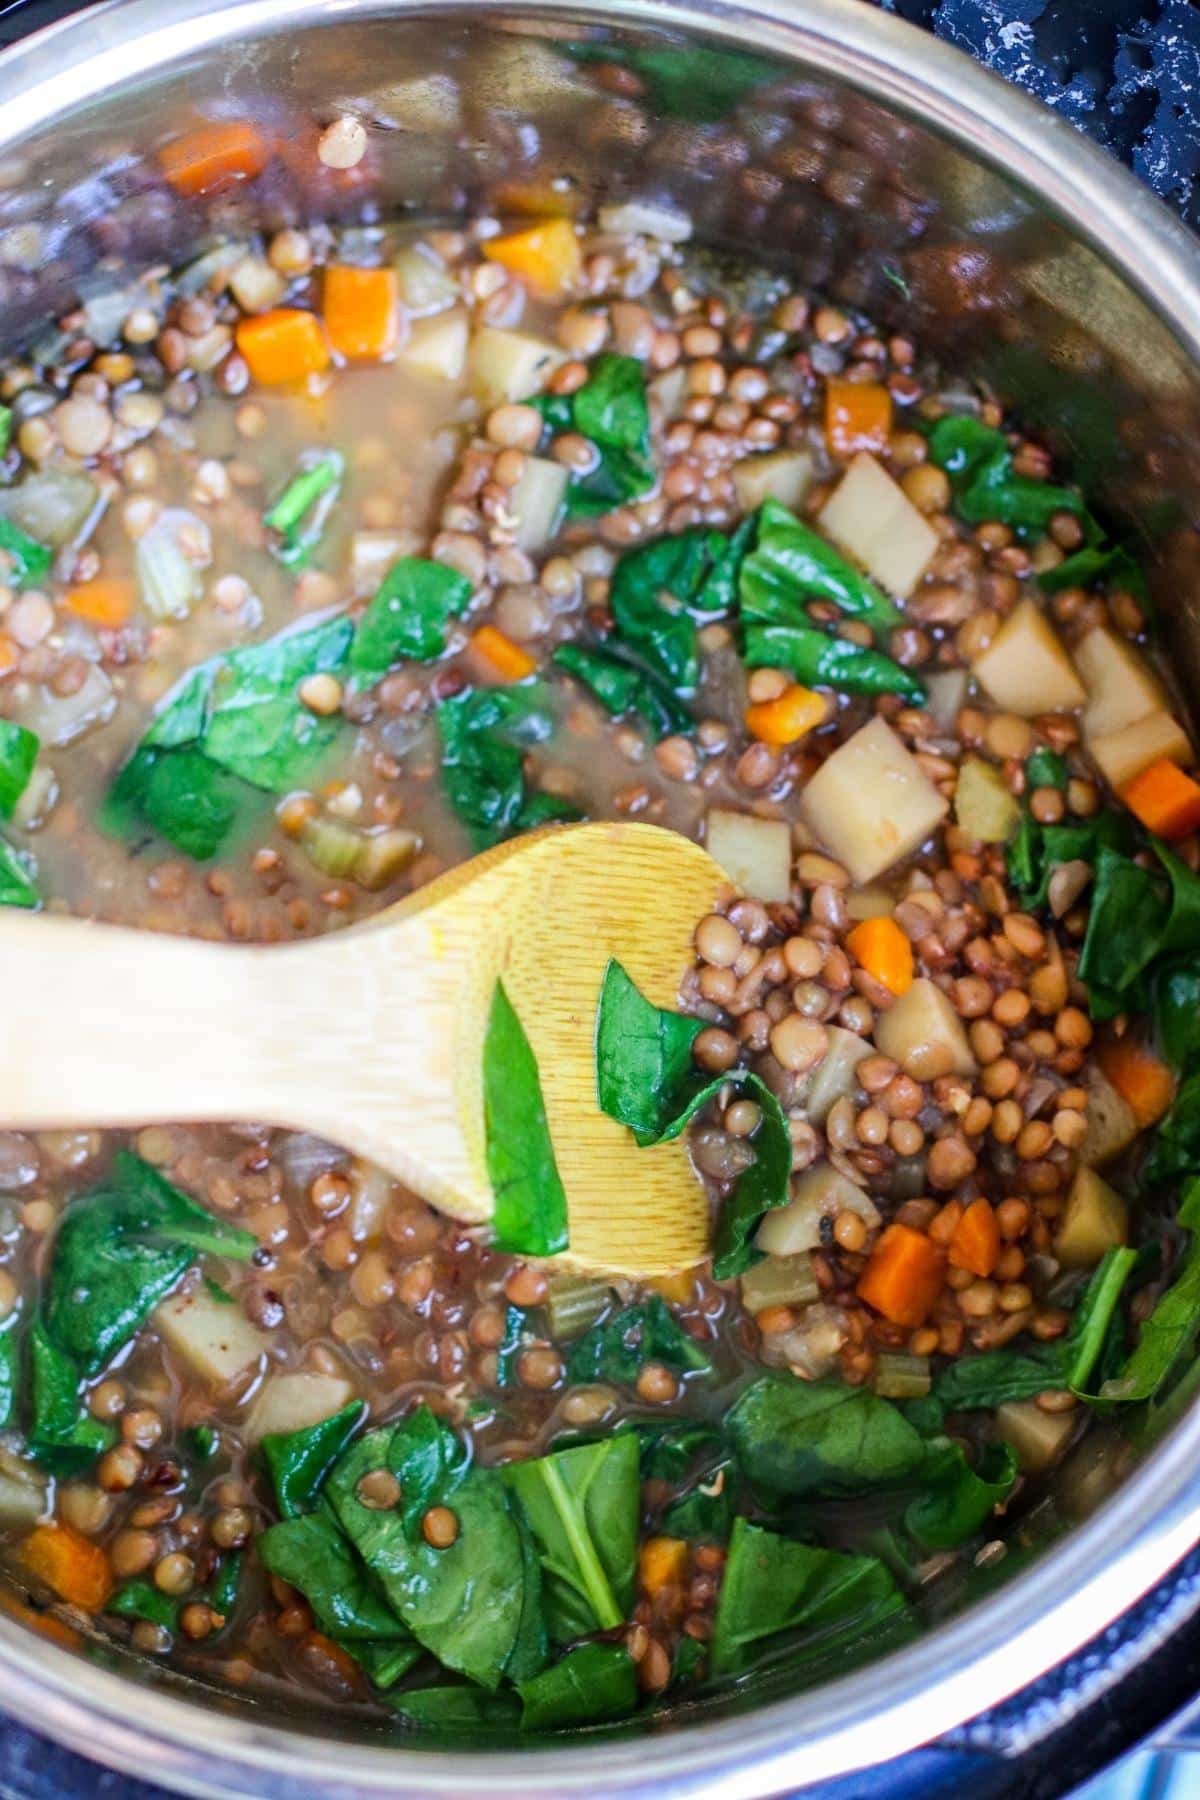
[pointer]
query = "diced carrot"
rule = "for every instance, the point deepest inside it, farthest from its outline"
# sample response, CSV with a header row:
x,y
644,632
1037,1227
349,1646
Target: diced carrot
x,y
976,1241
679,1289
214,157
10,656
1165,799
858,416
77,1570
283,345
796,712
1142,1079
107,600
545,257
904,1276
884,952
45,1624
504,658
662,1562
537,199
360,311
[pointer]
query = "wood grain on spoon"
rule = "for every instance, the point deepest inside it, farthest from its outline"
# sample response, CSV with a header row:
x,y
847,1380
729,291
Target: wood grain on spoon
x,y
373,1036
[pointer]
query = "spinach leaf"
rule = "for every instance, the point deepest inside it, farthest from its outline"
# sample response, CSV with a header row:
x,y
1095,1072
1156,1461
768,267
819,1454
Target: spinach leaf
x,y
300,514
386,1662
530,1215
597,1681
140,1599
203,1441
298,1461
611,411
312,1554
1177,1013
483,733
655,591
668,1452
979,463
223,1589
259,729
407,617
30,560
687,81
62,1434
1168,1337
1037,850
464,1602
1129,911
1046,768
617,1349
621,686
509,1347
646,1079
118,1252
819,660
773,1586
707,1510
790,566
455,1710
10,1369
583,1506
17,885
1176,1148
18,753
531,1646
1095,1321
1115,566
819,1437
956,1500
181,794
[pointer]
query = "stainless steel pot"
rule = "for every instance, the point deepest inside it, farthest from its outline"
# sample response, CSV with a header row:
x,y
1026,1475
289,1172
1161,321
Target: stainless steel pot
x,y
821,133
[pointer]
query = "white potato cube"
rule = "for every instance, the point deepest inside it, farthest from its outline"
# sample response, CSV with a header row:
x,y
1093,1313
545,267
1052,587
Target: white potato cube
x,y
426,284
436,346
214,1337
820,1193
1120,755
646,218
834,1076
870,803
1038,1438
872,519
1111,1126
536,502
1096,1220
294,1402
1121,686
1025,668
509,365
783,475
756,854
946,695
924,1034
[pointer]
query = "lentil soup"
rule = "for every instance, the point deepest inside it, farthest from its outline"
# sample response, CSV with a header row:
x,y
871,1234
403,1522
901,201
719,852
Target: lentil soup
x,y
344,553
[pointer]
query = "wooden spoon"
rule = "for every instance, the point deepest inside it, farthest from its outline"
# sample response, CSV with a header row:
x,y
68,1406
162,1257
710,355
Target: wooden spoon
x,y
373,1036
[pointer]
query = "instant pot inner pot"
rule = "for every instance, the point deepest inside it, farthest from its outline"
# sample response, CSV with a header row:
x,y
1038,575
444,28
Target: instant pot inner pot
x,y
775,163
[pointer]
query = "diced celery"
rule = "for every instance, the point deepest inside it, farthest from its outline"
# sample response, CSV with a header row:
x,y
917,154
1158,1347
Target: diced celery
x,y
900,1376
330,846
779,1281
573,1304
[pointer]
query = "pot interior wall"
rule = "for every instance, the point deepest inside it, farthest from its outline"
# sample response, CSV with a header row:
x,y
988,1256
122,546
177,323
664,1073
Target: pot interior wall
x,y
783,164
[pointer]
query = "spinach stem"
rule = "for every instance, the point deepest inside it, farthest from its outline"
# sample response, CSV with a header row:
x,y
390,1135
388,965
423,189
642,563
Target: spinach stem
x,y
596,1583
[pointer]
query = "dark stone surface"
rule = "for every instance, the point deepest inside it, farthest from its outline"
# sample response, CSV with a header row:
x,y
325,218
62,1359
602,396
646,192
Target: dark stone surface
x,y
1128,73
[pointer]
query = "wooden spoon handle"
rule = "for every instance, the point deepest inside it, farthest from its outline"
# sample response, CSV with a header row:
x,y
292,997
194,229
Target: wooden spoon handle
x,y
104,1026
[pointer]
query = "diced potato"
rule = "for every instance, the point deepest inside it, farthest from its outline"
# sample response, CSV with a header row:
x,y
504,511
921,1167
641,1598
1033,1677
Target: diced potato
x,y
756,854
834,1075
1038,1438
871,517
646,218
536,502
294,1402
1096,1219
669,391
924,1034
870,903
783,475
425,284
436,346
214,1337
24,1492
371,1193
946,696
1111,1126
820,1193
509,365
779,1281
1120,755
870,803
1121,686
984,804
1026,670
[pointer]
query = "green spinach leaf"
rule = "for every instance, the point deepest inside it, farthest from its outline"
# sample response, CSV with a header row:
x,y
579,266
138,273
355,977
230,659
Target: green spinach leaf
x,y
18,753
484,733
312,1554
621,686
791,565
597,1681
957,1500
509,1348
820,1437
258,728
140,1599
298,1461
583,1506
17,884
408,617
658,588
454,1711
300,514
1168,1337
691,81
63,1435
530,1216
31,561
611,411
979,463
617,1349
819,660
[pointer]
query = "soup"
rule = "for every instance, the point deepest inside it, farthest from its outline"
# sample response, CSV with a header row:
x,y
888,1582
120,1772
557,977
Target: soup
x,y
335,557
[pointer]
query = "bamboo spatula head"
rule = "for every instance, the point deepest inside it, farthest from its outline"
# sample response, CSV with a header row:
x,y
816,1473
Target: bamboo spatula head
x,y
544,913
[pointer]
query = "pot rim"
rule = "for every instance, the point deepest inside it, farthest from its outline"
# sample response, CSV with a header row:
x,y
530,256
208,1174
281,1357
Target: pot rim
x,y
1079,1586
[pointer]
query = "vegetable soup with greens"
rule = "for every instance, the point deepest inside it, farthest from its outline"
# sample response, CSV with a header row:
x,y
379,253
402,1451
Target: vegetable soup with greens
x,y
334,557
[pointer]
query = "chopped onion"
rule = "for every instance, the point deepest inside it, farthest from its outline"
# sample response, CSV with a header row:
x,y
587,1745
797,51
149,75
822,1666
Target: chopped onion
x,y
170,582
646,218
54,506
61,718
